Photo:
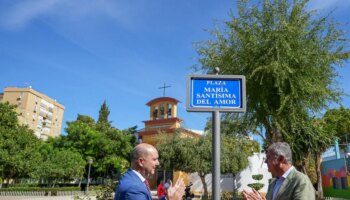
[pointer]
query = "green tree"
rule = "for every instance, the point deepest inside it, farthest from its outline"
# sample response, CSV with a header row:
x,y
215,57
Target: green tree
x,y
339,119
103,122
59,164
19,156
309,139
108,147
334,124
8,116
177,153
235,125
288,56
235,131
235,151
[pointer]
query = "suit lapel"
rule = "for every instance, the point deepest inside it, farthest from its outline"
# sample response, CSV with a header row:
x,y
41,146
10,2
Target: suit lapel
x,y
142,184
285,184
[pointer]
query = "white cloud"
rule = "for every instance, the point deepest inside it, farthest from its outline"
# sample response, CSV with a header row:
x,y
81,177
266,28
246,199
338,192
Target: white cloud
x,y
327,5
19,13
23,12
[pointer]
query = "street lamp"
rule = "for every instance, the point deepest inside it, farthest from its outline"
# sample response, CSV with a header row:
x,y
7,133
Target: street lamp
x,y
88,180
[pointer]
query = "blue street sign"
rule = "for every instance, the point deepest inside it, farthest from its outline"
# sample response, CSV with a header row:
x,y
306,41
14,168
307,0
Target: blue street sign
x,y
207,93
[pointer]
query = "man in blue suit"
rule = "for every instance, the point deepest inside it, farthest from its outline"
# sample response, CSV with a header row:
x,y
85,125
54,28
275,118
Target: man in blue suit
x,y
288,183
134,185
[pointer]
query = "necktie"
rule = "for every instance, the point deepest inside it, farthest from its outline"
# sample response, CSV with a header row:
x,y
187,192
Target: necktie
x,y
277,186
147,185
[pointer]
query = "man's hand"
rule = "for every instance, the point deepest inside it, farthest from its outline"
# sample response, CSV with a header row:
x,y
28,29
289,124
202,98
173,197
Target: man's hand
x,y
177,191
253,195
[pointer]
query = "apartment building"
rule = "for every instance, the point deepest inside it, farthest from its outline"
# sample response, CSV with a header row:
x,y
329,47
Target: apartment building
x,y
41,113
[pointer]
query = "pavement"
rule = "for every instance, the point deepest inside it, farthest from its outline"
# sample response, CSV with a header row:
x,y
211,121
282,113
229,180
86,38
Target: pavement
x,y
71,197
42,198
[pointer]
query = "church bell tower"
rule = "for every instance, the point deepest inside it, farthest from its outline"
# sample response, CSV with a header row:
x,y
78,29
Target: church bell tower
x,y
162,117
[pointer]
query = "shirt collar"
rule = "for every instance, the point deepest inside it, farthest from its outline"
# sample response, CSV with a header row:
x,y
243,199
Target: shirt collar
x,y
139,175
287,172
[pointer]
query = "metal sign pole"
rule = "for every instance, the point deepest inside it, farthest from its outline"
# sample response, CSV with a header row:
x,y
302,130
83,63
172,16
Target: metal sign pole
x,y
216,156
216,153
215,93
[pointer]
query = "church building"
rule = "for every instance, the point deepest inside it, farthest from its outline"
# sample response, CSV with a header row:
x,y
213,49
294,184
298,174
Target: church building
x,y
163,119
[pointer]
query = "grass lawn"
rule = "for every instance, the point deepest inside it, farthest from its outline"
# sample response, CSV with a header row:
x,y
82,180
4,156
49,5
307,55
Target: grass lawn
x,y
331,192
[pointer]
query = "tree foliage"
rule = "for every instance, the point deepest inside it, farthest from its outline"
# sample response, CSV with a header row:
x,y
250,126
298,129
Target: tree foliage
x,y
107,146
235,152
19,156
177,153
103,121
334,124
339,120
23,155
8,116
59,164
287,55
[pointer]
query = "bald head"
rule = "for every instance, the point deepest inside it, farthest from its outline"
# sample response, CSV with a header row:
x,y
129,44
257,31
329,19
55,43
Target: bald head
x,y
141,151
144,159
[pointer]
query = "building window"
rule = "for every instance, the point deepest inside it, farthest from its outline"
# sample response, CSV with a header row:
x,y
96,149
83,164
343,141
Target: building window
x,y
20,96
155,113
162,111
169,111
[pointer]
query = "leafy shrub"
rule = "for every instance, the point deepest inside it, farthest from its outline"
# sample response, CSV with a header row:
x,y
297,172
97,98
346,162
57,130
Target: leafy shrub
x,y
226,196
258,177
35,189
257,186
106,192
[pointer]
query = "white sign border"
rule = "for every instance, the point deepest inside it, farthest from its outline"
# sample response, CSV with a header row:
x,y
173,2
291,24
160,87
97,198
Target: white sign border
x,y
210,108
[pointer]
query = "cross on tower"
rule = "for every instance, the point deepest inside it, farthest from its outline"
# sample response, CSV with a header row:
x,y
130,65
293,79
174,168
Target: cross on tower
x,y
165,86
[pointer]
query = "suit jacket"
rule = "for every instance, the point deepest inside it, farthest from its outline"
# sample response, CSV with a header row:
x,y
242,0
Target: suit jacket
x,y
297,186
131,187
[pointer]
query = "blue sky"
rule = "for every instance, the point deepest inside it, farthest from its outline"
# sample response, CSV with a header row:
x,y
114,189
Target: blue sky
x,y
84,52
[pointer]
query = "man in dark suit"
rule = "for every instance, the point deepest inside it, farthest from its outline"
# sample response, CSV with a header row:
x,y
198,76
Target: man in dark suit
x,y
288,183
134,185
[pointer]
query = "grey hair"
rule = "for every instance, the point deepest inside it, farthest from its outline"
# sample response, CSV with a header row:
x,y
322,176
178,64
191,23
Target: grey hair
x,y
281,148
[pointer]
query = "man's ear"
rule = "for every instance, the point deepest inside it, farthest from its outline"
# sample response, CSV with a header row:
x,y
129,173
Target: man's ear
x,y
140,161
281,159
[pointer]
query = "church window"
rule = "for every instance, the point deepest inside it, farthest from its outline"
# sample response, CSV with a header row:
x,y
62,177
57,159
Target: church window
x,y
155,113
162,111
169,111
